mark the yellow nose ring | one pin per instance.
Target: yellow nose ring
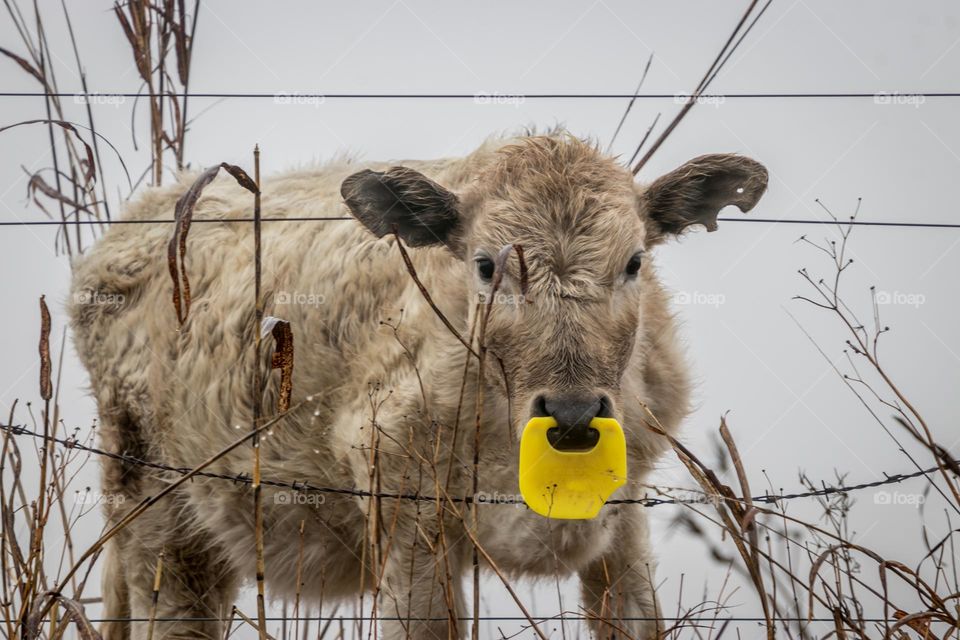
(571, 485)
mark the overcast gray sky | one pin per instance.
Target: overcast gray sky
(789, 410)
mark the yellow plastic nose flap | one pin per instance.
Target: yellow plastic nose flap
(571, 485)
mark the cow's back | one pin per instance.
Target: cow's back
(187, 389)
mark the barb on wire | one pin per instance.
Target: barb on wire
(306, 487)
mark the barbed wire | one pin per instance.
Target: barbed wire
(491, 95)
(699, 618)
(306, 487)
(855, 223)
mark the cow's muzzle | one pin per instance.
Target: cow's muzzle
(573, 413)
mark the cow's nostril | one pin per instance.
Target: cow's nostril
(606, 408)
(540, 407)
(573, 413)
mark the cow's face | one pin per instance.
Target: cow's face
(564, 328)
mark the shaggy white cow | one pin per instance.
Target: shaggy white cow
(385, 395)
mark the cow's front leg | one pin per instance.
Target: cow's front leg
(617, 588)
(420, 594)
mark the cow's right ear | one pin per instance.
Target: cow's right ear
(403, 200)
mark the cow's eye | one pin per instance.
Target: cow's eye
(485, 268)
(633, 267)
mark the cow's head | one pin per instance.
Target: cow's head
(585, 229)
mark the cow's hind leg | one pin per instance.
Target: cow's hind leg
(116, 597)
(197, 587)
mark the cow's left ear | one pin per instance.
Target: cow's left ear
(403, 200)
(696, 192)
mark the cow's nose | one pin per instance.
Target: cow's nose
(573, 413)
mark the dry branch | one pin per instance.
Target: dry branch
(183, 215)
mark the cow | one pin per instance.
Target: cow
(530, 291)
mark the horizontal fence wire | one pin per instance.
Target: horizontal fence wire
(842, 223)
(306, 487)
(493, 96)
